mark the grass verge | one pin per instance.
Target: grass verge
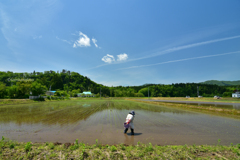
(26, 101)
(202, 99)
(18, 150)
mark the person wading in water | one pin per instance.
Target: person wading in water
(129, 122)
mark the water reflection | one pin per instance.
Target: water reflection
(87, 121)
(86, 105)
(128, 139)
(70, 112)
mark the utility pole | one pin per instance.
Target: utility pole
(148, 92)
(197, 91)
(50, 92)
(100, 92)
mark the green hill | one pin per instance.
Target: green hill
(21, 85)
(222, 83)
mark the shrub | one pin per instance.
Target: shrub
(53, 155)
(75, 146)
(149, 148)
(41, 99)
(57, 93)
(26, 96)
(76, 141)
(12, 145)
(123, 147)
(113, 148)
(51, 146)
(96, 142)
(28, 146)
(227, 94)
(238, 145)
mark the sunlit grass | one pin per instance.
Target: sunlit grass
(78, 150)
(202, 99)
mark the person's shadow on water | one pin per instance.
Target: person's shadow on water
(135, 134)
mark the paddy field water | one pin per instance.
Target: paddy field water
(88, 120)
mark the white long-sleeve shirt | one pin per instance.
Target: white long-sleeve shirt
(129, 120)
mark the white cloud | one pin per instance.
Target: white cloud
(172, 50)
(83, 41)
(63, 40)
(186, 47)
(95, 42)
(37, 37)
(179, 60)
(122, 57)
(108, 58)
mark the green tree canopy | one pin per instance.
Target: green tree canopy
(2, 89)
(38, 88)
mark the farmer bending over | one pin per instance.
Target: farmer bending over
(129, 120)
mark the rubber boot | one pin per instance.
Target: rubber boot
(125, 131)
(132, 131)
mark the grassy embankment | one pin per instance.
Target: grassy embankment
(26, 101)
(17, 150)
(228, 100)
(15, 101)
(211, 109)
(202, 99)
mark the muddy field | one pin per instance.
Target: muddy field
(88, 120)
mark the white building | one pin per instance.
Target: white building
(85, 94)
(237, 94)
(217, 97)
(50, 93)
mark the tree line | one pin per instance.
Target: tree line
(67, 83)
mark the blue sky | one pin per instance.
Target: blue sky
(123, 42)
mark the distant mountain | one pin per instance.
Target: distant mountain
(222, 83)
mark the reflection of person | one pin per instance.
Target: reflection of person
(129, 141)
(129, 120)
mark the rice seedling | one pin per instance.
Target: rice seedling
(107, 116)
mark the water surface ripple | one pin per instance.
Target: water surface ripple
(88, 120)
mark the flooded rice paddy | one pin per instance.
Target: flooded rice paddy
(88, 120)
(222, 106)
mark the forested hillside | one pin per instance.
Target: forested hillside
(21, 84)
(222, 83)
(67, 83)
